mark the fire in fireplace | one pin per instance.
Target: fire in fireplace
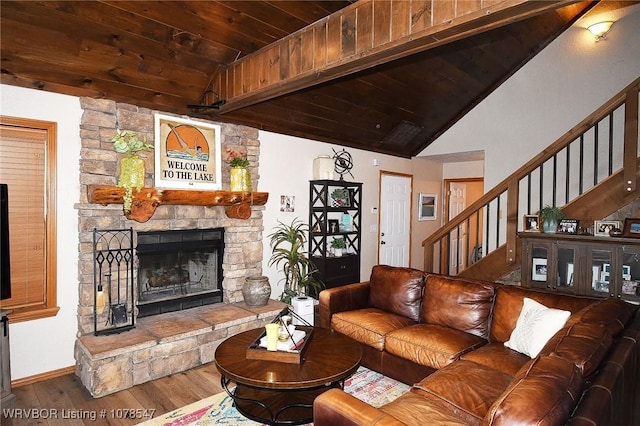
(179, 269)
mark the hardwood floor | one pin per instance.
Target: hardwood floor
(67, 399)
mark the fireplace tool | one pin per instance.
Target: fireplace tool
(118, 310)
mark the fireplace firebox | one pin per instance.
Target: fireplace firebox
(179, 269)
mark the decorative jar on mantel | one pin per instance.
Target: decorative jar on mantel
(240, 179)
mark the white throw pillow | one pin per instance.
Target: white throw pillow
(535, 326)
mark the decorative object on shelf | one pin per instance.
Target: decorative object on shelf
(427, 206)
(343, 163)
(539, 269)
(338, 245)
(256, 290)
(340, 197)
(631, 228)
(132, 166)
(287, 245)
(323, 166)
(615, 232)
(531, 223)
(334, 226)
(345, 222)
(240, 175)
(568, 226)
(601, 228)
(550, 217)
(188, 154)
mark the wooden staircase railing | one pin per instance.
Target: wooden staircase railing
(591, 171)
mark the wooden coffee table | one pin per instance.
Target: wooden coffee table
(279, 393)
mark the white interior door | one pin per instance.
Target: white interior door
(457, 250)
(395, 220)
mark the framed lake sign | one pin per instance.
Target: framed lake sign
(187, 154)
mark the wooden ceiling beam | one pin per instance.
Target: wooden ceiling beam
(363, 35)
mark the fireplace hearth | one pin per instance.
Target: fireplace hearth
(179, 269)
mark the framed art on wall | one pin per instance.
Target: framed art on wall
(187, 154)
(427, 206)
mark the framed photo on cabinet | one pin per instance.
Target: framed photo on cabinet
(601, 228)
(539, 269)
(631, 228)
(531, 223)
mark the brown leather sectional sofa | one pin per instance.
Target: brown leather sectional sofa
(446, 337)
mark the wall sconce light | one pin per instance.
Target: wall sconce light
(600, 29)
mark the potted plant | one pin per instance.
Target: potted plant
(550, 217)
(240, 178)
(131, 166)
(338, 244)
(287, 245)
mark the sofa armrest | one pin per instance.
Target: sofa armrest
(340, 299)
(337, 408)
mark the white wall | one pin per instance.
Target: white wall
(47, 344)
(286, 167)
(552, 93)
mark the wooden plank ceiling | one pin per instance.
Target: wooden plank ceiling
(394, 96)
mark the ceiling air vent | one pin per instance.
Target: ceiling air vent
(402, 134)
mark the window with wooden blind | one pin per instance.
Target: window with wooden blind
(27, 166)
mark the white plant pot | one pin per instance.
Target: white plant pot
(337, 252)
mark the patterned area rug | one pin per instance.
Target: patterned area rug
(366, 385)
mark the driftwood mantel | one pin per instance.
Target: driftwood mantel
(237, 204)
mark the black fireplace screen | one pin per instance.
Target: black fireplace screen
(179, 269)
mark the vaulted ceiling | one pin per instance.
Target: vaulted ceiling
(423, 66)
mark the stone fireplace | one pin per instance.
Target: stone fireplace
(169, 342)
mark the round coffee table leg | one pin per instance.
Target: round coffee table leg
(275, 407)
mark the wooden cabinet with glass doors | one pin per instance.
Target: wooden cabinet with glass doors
(583, 265)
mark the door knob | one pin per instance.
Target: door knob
(382, 243)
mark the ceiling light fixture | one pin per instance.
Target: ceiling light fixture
(600, 29)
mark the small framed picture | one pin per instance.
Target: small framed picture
(569, 274)
(341, 197)
(427, 205)
(539, 269)
(531, 223)
(601, 228)
(595, 276)
(568, 226)
(631, 228)
(626, 272)
(604, 275)
(334, 226)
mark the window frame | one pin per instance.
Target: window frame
(49, 308)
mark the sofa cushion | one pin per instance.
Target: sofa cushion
(585, 345)
(535, 326)
(464, 388)
(613, 314)
(544, 391)
(396, 290)
(508, 304)
(497, 356)
(368, 326)
(414, 410)
(457, 303)
(432, 345)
